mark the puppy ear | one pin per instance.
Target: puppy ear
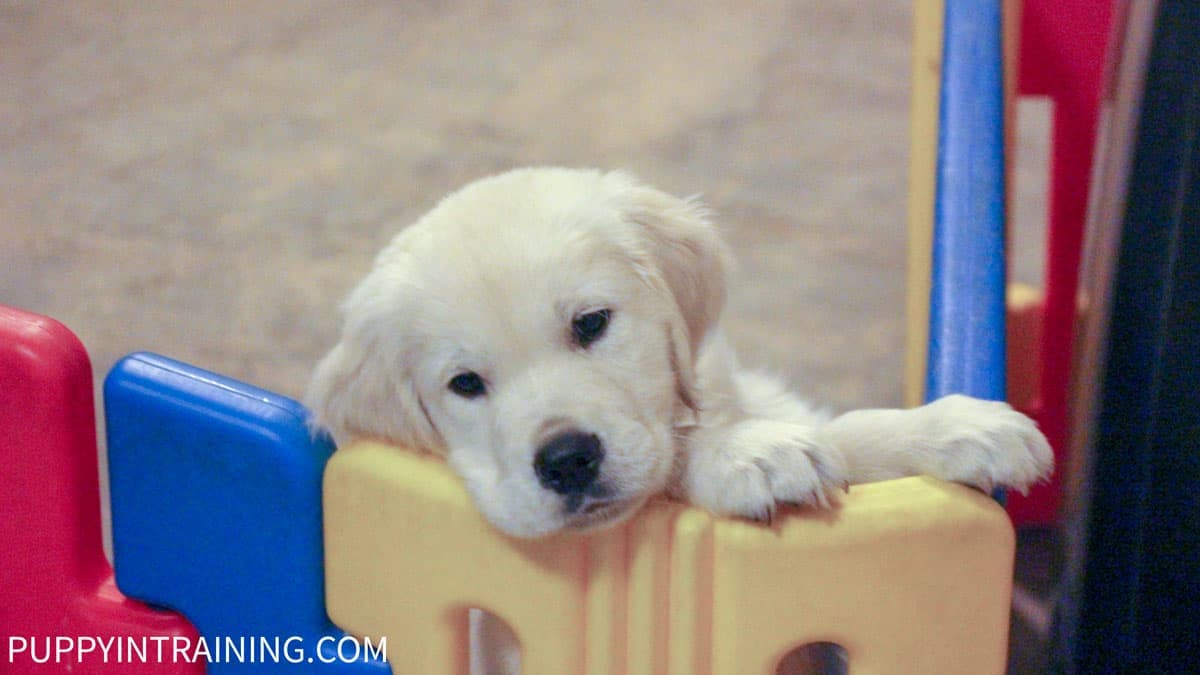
(364, 387)
(682, 255)
(687, 253)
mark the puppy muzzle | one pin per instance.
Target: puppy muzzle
(569, 464)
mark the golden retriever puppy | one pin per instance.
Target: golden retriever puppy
(554, 334)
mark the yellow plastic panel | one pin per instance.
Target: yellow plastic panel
(911, 576)
(406, 555)
(922, 186)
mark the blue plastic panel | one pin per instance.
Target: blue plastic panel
(216, 507)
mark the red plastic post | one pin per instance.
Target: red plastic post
(59, 607)
(1062, 56)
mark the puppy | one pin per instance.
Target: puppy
(554, 334)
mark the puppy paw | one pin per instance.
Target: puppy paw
(757, 464)
(982, 443)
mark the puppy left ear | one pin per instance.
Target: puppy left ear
(683, 255)
(686, 252)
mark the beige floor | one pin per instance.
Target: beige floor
(207, 180)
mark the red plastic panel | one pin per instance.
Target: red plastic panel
(58, 605)
(1062, 56)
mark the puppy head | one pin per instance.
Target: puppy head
(539, 328)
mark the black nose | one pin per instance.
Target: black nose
(569, 462)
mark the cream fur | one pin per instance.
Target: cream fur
(489, 281)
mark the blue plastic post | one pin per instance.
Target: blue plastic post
(967, 310)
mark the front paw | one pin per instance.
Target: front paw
(754, 465)
(983, 443)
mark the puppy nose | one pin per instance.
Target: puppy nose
(569, 462)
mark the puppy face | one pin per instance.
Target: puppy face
(539, 328)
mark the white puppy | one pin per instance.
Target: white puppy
(554, 334)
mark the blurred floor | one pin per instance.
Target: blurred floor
(207, 180)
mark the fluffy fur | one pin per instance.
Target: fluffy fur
(490, 282)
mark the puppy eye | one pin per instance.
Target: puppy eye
(587, 328)
(467, 385)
